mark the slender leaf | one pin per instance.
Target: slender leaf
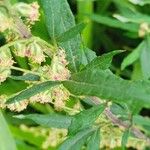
(6, 139)
(125, 139)
(71, 33)
(132, 57)
(94, 141)
(145, 58)
(104, 84)
(140, 120)
(49, 120)
(26, 77)
(35, 89)
(77, 140)
(85, 119)
(114, 23)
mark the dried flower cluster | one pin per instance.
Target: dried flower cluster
(57, 70)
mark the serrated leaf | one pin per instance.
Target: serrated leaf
(102, 62)
(105, 85)
(71, 33)
(26, 77)
(125, 139)
(59, 21)
(85, 119)
(94, 141)
(35, 89)
(6, 139)
(50, 120)
(76, 141)
(132, 57)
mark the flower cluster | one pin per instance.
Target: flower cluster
(29, 11)
(31, 50)
(5, 64)
(57, 70)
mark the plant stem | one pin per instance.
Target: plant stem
(85, 7)
(25, 70)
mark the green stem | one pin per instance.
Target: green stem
(26, 71)
(86, 7)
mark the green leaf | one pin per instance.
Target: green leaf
(35, 89)
(105, 85)
(86, 56)
(6, 139)
(125, 139)
(59, 21)
(102, 62)
(145, 58)
(75, 142)
(71, 33)
(49, 120)
(132, 57)
(140, 120)
(26, 77)
(114, 23)
(94, 141)
(85, 119)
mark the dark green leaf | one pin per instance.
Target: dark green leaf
(49, 120)
(76, 141)
(35, 89)
(102, 62)
(71, 33)
(59, 21)
(26, 77)
(6, 139)
(85, 118)
(94, 141)
(105, 85)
